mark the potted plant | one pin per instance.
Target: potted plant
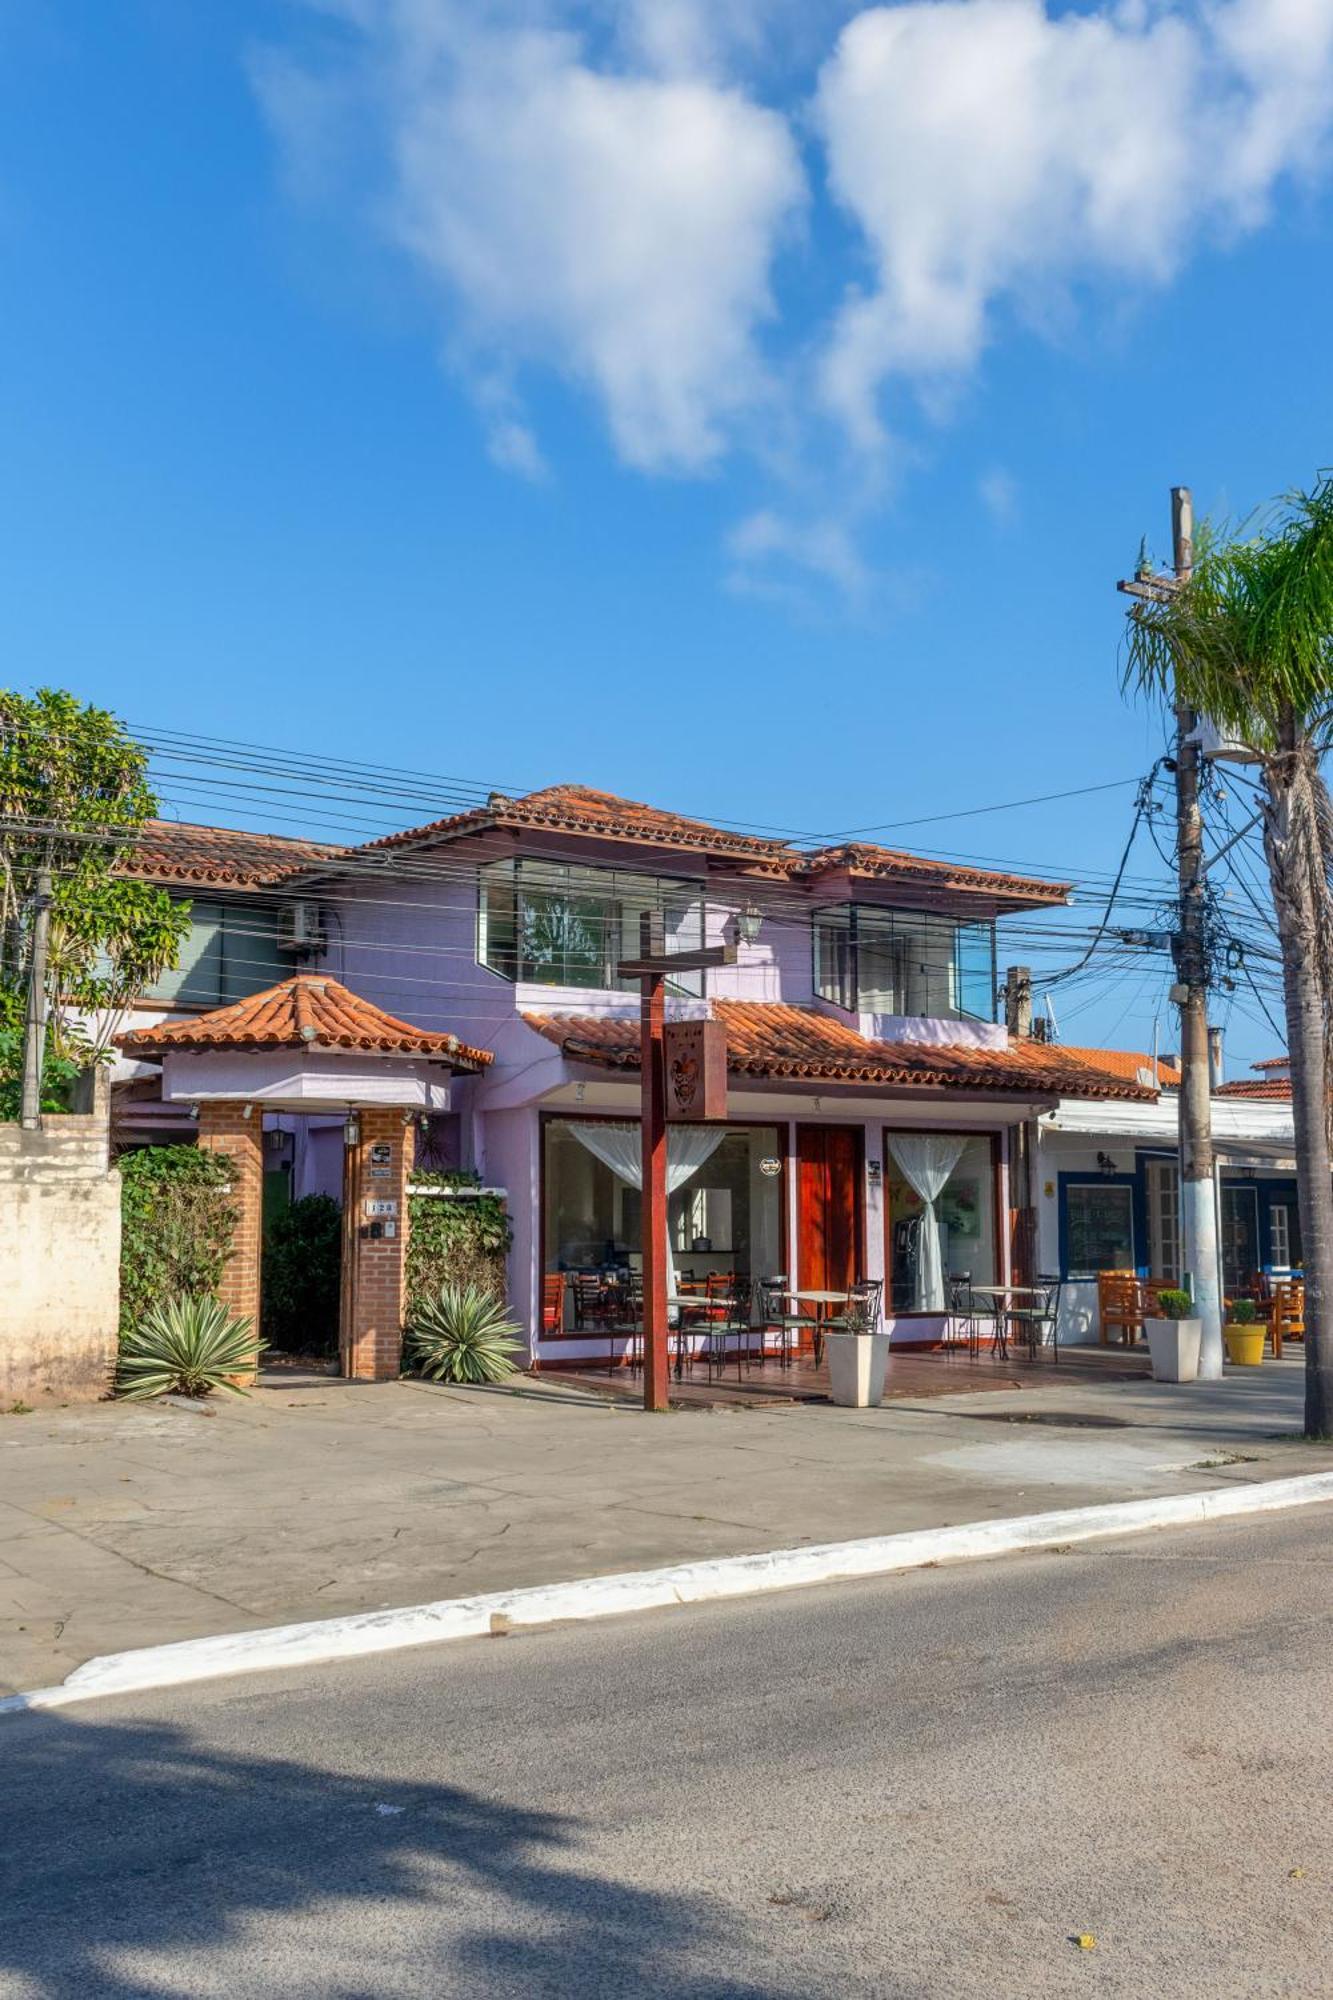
(1244, 1334)
(1174, 1338)
(857, 1358)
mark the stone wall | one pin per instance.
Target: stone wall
(60, 1287)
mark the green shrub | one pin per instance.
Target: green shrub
(177, 1222)
(462, 1335)
(1242, 1312)
(1173, 1304)
(185, 1346)
(460, 1242)
(302, 1276)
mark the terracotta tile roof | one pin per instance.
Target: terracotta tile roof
(580, 809)
(1127, 1063)
(890, 865)
(1272, 1062)
(1263, 1090)
(226, 857)
(219, 856)
(767, 1039)
(307, 1011)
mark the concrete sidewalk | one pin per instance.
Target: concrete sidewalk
(125, 1526)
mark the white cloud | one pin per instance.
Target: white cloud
(617, 226)
(823, 549)
(992, 152)
(998, 493)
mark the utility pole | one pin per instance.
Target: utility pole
(34, 1025)
(1198, 1186)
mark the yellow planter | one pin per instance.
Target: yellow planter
(1245, 1345)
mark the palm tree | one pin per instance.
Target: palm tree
(1247, 641)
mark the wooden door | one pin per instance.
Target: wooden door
(829, 1165)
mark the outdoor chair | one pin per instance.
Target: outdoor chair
(775, 1317)
(553, 1302)
(863, 1299)
(961, 1329)
(1119, 1306)
(1038, 1316)
(727, 1331)
(1286, 1314)
(586, 1288)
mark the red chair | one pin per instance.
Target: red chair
(553, 1302)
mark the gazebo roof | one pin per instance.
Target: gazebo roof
(308, 1011)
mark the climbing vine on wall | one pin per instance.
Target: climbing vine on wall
(177, 1220)
(462, 1242)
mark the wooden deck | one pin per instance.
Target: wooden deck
(912, 1374)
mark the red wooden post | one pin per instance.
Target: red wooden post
(654, 1136)
(652, 967)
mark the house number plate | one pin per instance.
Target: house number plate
(381, 1208)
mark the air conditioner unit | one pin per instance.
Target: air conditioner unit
(300, 928)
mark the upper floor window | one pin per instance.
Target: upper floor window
(552, 924)
(230, 951)
(873, 961)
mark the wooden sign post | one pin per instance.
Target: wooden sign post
(654, 965)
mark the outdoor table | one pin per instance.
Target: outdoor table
(1005, 1311)
(822, 1301)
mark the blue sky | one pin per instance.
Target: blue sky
(749, 418)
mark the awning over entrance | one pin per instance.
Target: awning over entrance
(306, 1044)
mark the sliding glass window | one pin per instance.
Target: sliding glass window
(905, 962)
(549, 924)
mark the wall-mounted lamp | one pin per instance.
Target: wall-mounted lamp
(352, 1132)
(1106, 1164)
(749, 923)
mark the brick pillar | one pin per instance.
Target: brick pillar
(224, 1128)
(374, 1341)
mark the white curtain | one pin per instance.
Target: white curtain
(619, 1147)
(927, 1160)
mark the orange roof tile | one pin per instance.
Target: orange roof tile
(1273, 1062)
(1127, 1063)
(226, 857)
(307, 1011)
(218, 856)
(581, 809)
(768, 1039)
(1262, 1090)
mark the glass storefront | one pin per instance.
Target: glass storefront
(724, 1205)
(941, 1206)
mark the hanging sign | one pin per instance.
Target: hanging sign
(696, 1071)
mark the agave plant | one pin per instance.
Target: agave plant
(186, 1346)
(462, 1334)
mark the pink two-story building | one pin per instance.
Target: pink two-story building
(879, 1120)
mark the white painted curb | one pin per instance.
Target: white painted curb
(366, 1632)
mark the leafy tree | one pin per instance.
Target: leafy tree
(1248, 642)
(74, 795)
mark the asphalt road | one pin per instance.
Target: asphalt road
(925, 1786)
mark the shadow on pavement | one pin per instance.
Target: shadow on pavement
(132, 1855)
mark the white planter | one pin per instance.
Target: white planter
(856, 1364)
(1174, 1347)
